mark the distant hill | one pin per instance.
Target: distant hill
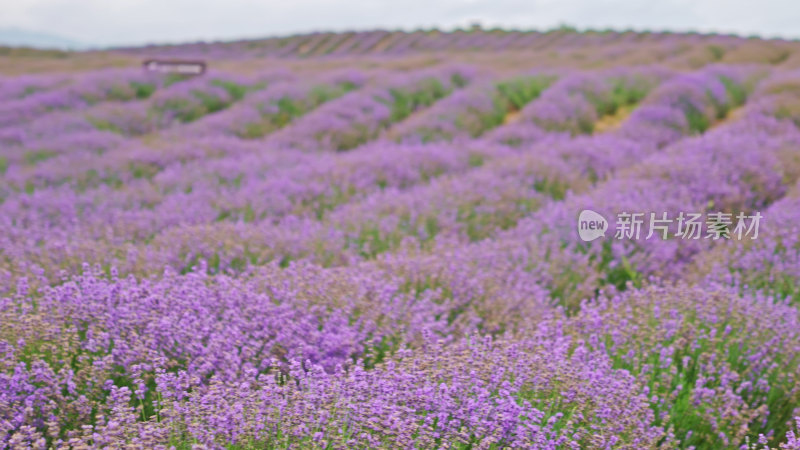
(560, 47)
(636, 45)
(17, 37)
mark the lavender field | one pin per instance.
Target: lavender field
(371, 240)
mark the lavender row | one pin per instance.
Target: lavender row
(361, 116)
(471, 217)
(101, 86)
(298, 185)
(673, 180)
(470, 112)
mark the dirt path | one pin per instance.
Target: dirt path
(612, 122)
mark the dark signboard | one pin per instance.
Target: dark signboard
(175, 66)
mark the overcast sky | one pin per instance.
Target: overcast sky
(122, 22)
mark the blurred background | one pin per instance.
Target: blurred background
(96, 24)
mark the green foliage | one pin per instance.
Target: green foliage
(140, 169)
(92, 178)
(677, 378)
(737, 94)
(697, 120)
(173, 78)
(405, 102)
(211, 103)
(717, 52)
(624, 94)
(620, 274)
(290, 108)
(35, 156)
(104, 125)
(235, 90)
(459, 80)
(520, 91)
(190, 109)
(143, 90)
(554, 188)
(476, 160)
